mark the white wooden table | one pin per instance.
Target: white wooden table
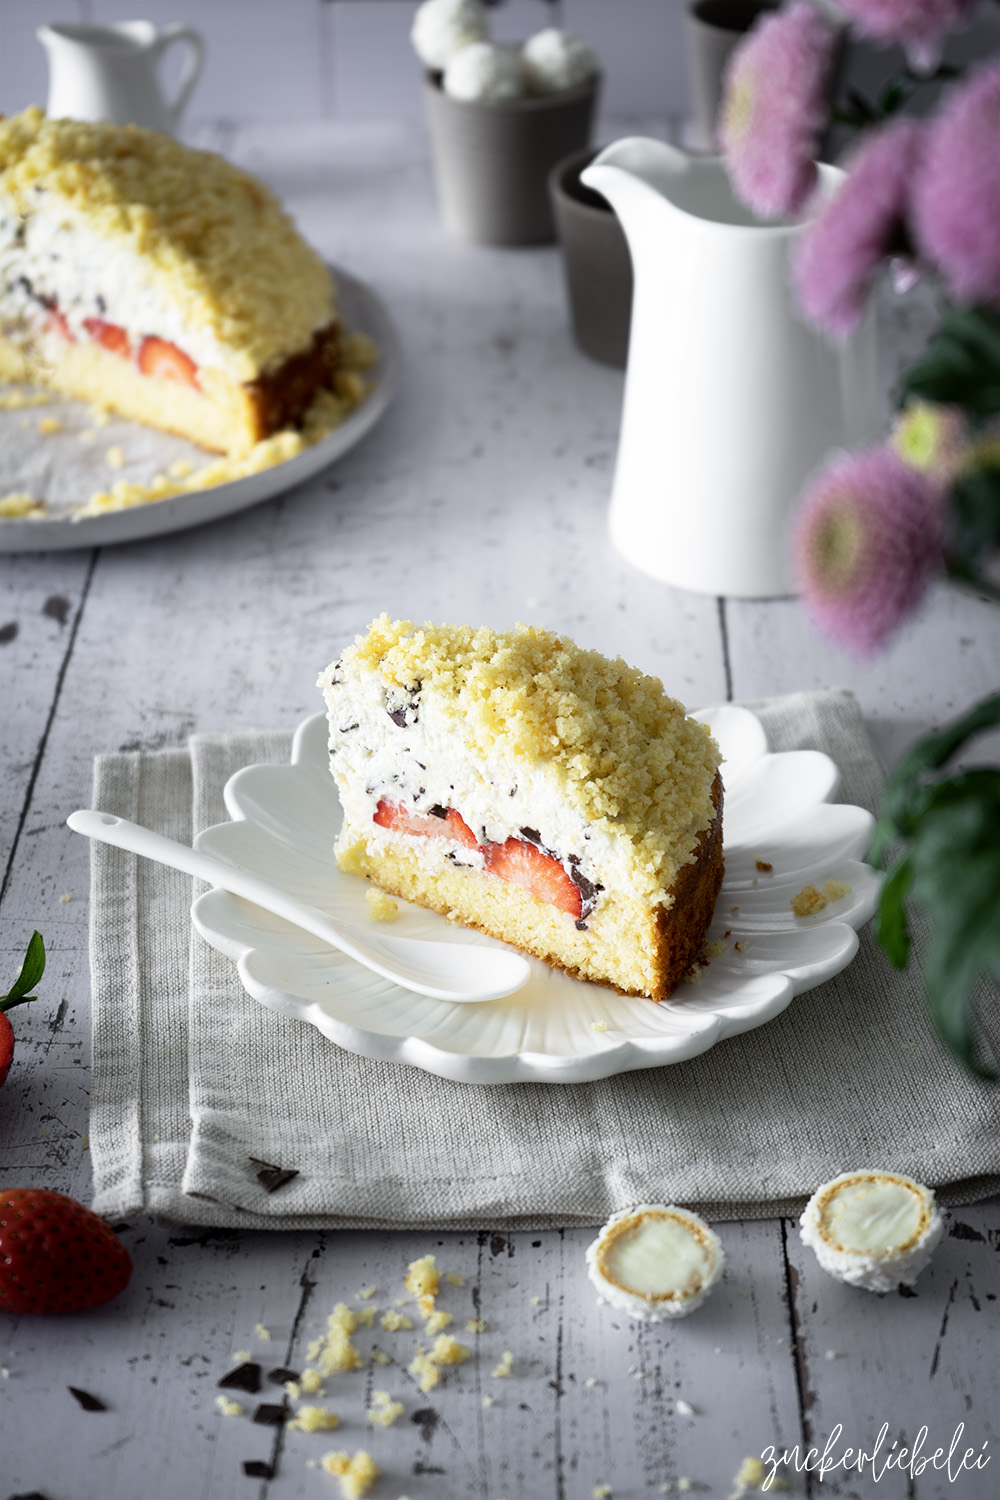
(481, 497)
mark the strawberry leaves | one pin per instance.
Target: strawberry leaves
(32, 970)
(949, 867)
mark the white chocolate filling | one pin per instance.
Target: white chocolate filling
(655, 1261)
(873, 1215)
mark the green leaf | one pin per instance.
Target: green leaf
(974, 517)
(891, 930)
(962, 363)
(956, 880)
(32, 970)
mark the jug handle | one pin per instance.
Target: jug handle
(175, 32)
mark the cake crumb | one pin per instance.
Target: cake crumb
(292, 1390)
(834, 889)
(535, 1301)
(48, 425)
(683, 1484)
(422, 1277)
(242, 1357)
(365, 1316)
(18, 503)
(505, 1366)
(314, 1419)
(693, 976)
(590, 1380)
(437, 1320)
(603, 1492)
(264, 1334)
(487, 1400)
(476, 1325)
(393, 1321)
(336, 1352)
(381, 908)
(366, 1292)
(356, 1475)
(384, 1410)
(763, 865)
(311, 1381)
(115, 457)
(753, 1476)
(66, 896)
(380, 1357)
(734, 911)
(454, 1279)
(741, 947)
(17, 400)
(228, 1408)
(809, 901)
(426, 1368)
(598, 1025)
(716, 949)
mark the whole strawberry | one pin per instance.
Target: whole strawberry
(55, 1255)
(31, 972)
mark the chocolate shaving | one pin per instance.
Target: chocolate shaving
(272, 1177)
(280, 1375)
(245, 1377)
(270, 1415)
(255, 1468)
(86, 1400)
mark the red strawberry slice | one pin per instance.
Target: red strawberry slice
(55, 1255)
(398, 817)
(535, 872)
(162, 360)
(32, 969)
(110, 336)
(56, 323)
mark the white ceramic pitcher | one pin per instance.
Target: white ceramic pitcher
(110, 72)
(730, 400)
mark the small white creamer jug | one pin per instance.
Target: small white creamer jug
(110, 72)
(731, 401)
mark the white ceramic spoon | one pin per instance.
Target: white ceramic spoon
(444, 971)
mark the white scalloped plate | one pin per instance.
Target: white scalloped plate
(285, 819)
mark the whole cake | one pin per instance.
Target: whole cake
(542, 793)
(159, 281)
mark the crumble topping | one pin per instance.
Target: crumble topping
(809, 900)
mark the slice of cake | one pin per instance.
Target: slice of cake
(546, 795)
(162, 282)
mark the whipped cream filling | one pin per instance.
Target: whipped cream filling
(875, 1216)
(51, 258)
(402, 746)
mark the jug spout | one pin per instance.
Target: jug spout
(635, 176)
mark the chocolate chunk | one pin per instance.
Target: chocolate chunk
(245, 1377)
(532, 835)
(588, 888)
(581, 927)
(272, 1177)
(34, 1495)
(280, 1375)
(437, 811)
(402, 705)
(86, 1400)
(270, 1415)
(348, 727)
(255, 1468)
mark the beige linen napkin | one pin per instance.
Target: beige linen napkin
(193, 1078)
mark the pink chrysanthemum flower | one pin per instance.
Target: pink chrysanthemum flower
(867, 542)
(842, 248)
(774, 109)
(921, 25)
(956, 197)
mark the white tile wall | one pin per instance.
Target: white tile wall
(297, 59)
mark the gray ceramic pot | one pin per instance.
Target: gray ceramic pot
(713, 29)
(596, 260)
(492, 160)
